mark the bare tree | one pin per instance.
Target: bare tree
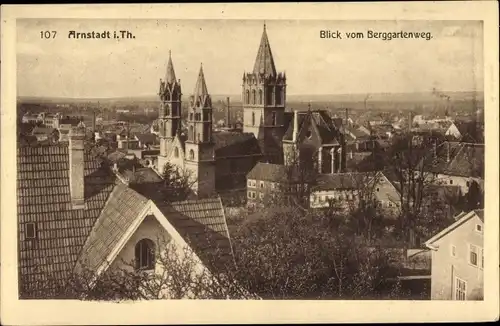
(177, 183)
(178, 273)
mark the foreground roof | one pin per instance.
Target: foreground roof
(44, 199)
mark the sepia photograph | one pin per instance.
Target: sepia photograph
(250, 159)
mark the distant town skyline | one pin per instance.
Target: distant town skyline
(94, 68)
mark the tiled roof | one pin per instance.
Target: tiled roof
(351, 180)
(465, 159)
(44, 198)
(122, 208)
(147, 138)
(203, 225)
(268, 172)
(231, 144)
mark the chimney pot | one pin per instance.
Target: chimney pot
(76, 167)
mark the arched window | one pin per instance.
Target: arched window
(247, 97)
(145, 254)
(253, 118)
(260, 96)
(176, 152)
(254, 97)
(191, 154)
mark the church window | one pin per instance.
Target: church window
(191, 133)
(247, 97)
(145, 254)
(253, 118)
(278, 96)
(190, 116)
(260, 96)
(275, 122)
(199, 137)
(191, 154)
(254, 97)
(176, 152)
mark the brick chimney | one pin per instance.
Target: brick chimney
(76, 167)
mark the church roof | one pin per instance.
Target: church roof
(170, 73)
(233, 144)
(200, 90)
(264, 63)
(319, 120)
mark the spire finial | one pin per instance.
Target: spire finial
(264, 25)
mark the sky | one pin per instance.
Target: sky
(92, 68)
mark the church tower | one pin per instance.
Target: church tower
(264, 100)
(199, 150)
(170, 112)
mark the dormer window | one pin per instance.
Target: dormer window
(479, 228)
(30, 230)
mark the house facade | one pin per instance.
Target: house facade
(458, 260)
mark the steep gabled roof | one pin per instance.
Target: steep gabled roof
(318, 120)
(264, 62)
(200, 90)
(121, 210)
(268, 172)
(43, 198)
(458, 159)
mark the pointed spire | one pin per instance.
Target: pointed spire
(200, 89)
(170, 75)
(264, 63)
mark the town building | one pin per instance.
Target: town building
(458, 260)
(346, 189)
(75, 213)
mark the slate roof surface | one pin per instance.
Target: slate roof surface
(44, 199)
(231, 144)
(465, 159)
(147, 138)
(268, 172)
(328, 131)
(340, 181)
(264, 63)
(121, 210)
(202, 224)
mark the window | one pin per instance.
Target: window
(473, 255)
(260, 96)
(275, 121)
(467, 183)
(378, 189)
(249, 194)
(249, 183)
(191, 133)
(30, 230)
(261, 195)
(247, 97)
(253, 118)
(176, 152)
(145, 254)
(460, 289)
(451, 182)
(190, 116)
(261, 184)
(453, 251)
(479, 228)
(254, 97)
(191, 154)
